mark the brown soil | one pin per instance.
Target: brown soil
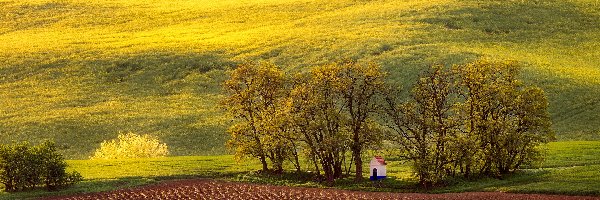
(212, 189)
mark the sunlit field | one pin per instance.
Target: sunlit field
(79, 72)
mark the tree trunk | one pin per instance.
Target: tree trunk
(317, 170)
(263, 161)
(278, 167)
(297, 163)
(356, 152)
(337, 170)
(327, 165)
(261, 156)
(350, 166)
(468, 168)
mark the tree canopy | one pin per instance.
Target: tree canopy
(472, 119)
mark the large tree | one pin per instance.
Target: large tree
(505, 119)
(425, 127)
(340, 100)
(476, 118)
(255, 95)
(361, 89)
(319, 119)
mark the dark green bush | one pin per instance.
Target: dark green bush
(24, 167)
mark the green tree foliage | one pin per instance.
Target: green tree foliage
(334, 108)
(476, 118)
(504, 119)
(256, 99)
(325, 113)
(361, 88)
(319, 120)
(425, 128)
(25, 167)
(131, 145)
(279, 139)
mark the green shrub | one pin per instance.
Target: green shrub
(131, 145)
(24, 167)
(53, 165)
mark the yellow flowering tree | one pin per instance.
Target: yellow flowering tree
(131, 145)
(256, 97)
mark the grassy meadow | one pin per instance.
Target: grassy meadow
(79, 72)
(560, 173)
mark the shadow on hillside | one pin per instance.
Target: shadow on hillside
(517, 21)
(573, 106)
(158, 93)
(37, 15)
(535, 24)
(79, 138)
(161, 71)
(27, 15)
(405, 66)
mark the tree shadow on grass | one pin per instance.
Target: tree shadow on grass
(516, 21)
(395, 184)
(521, 177)
(290, 178)
(287, 178)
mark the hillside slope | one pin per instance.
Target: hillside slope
(80, 72)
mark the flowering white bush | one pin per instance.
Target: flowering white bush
(131, 145)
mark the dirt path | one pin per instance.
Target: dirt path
(212, 189)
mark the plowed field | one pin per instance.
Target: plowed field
(212, 189)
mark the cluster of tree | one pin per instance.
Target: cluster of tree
(25, 167)
(324, 114)
(473, 119)
(470, 119)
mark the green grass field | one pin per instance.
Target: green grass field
(561, 173)
(79, 72)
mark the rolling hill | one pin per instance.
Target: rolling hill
(79, 72)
